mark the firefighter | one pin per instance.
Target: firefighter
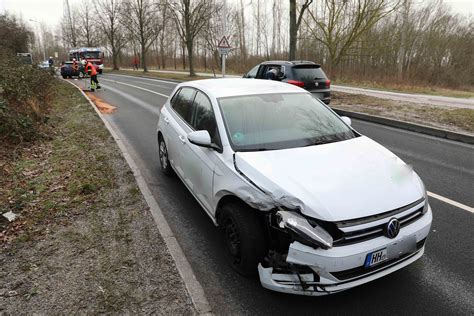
(91, 71)
(75, 65)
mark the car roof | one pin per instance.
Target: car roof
(227, 87)
(289, 63)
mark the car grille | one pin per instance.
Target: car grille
(362, 271)
(347, 238)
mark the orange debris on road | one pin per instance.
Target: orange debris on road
(103, 106)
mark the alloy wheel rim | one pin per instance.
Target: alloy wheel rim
(163, 155)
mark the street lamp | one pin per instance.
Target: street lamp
(42, 39)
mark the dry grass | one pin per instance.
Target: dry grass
(458, 120)
(467, 92)
(84, 242)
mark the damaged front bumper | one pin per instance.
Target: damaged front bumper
(341, 268)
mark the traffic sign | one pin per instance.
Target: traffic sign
(223, 43)
(223, 50)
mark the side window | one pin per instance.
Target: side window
(252, 73)
(204, 118)
(182, 103)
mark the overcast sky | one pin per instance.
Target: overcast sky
(50, 11)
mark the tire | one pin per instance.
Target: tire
(244, 238)
(100, 71)
(64, 76)
(81, 75)
(164, 160)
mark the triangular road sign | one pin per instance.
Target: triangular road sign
(223, 43)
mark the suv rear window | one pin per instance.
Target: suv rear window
(308, 72)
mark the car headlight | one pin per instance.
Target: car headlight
(425, 195)
(312, 235)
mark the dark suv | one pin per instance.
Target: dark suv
(305, 74)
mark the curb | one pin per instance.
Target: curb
(423, 129)
(194, 288)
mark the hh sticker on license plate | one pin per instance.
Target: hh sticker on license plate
(376, 257)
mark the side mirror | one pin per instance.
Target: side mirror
(346, 120)
(200, 138)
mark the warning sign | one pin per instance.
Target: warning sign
(223, 43)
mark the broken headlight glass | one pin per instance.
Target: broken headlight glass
(314, 236)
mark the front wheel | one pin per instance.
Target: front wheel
(164, 160)
(244, 238)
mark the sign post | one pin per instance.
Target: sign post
(224, 49)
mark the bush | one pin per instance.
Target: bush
(25, 99)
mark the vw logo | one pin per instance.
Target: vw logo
(393, 228)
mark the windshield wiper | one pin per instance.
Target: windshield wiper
(323, 141)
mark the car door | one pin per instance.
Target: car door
(252, 73)
(199, 162)
(181, 111)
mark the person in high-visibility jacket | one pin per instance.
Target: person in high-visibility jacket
(75, 66)
(91, 71)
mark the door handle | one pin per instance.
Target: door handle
(167, 120)
(182, 139)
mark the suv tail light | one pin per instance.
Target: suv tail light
(328, 83)
(296, 83)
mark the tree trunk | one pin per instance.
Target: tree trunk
(145, 68)
(114, 58)
(183, 50)
(189, 45)
(293, 31)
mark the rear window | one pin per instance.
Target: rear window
(308, 73)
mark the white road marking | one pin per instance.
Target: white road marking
(137, 87)
(449, 201)
(433, 195)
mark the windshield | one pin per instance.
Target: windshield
(278, 121)
(90, 55)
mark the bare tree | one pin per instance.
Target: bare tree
(190, 17)
(295, 24)
(111, 25)
(68, 24)
(86, 24)
(338, 24)
(140, 17)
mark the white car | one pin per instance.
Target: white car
(302, 198)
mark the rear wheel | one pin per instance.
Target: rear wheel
(64, 76)
(164, 161)
(243, 236)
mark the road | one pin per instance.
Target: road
(422, 99)
(440, 283)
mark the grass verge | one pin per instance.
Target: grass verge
(457, 120)
(468, 92)
(84, 241)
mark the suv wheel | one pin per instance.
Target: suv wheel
(164, 161)
(243, 236)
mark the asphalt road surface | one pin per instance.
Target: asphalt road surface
(441, 283)
(424, 99)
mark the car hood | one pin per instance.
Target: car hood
(336, 181)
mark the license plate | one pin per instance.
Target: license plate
(375, 257)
